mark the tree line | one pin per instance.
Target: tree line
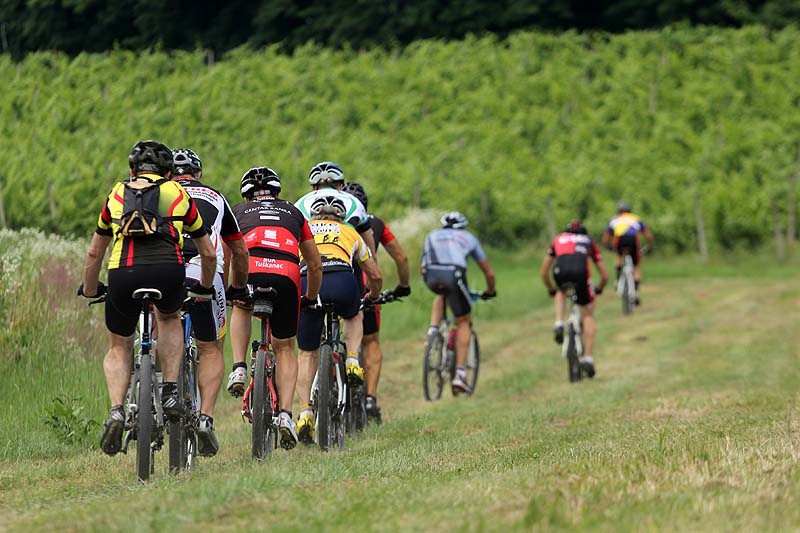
(75, 26)
(698, 128)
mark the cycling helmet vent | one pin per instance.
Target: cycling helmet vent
(455, 220)
(576, 226)
(325, 172)
(328, 205)
(259, 179)
(150, 156)
(185, 161)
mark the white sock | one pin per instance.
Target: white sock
(587, 359)
(559, 323)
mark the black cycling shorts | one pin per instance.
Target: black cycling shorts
(628, 244)
(286, 304)
(372, 319)
(450, 281)
(122, 311)
(339, 288)
(572, 270)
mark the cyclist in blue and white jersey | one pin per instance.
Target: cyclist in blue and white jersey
(444, 268)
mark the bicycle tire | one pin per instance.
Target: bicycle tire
(431, 367)
(177, 428)
(473, 362)
(573, 365)
(338, 417)
(144, 430)
(261, 409)
(325, 428)
(356, 412)
(190, 438)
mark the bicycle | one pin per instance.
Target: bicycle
(439, 363)
(260, 403)
(572, 345)
(329, 390)
(626, 286)
(182, 430)
(356, 418)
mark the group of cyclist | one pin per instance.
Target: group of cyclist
(183, 238)
(568, 259)
(170, 231)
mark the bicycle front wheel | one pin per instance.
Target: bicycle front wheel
(473, 362)
(327, 400)
(572, 356)
(261, 403)
(144, 430)
(432, 381)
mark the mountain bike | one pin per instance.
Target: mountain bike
(182, 430)
(572, 345)
(329, 391)
(356, 413)
(439, 363)
(626, 286)
(260, 404)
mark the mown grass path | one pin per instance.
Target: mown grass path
(691, 423)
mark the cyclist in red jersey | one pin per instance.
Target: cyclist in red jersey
(373, 356)
(275, 232)
(569, 256)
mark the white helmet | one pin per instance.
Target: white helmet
(454, 219)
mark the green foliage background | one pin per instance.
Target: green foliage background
(496, 128)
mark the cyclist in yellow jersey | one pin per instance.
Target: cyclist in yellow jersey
(138, 260)
(622, 235)
(339, 246)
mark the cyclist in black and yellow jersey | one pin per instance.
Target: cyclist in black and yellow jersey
(339, 246)
(146, 253)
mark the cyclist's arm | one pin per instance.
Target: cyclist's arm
(239, 262)
(650, 239)
(313, 261)
(606, 237)
(94, 262)
(396, 252)
(547, 264)
(208, 260)
(488, 273)
(374, 279)
(369, 239)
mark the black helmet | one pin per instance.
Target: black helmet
(325, 172)
(576, 226)
(623, 207)
(185, 161)
(260, 179)
(358, 191)
(328, 204)
(454, 219)
(150, 156)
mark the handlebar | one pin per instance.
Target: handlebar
(474, 296)
(385, 297)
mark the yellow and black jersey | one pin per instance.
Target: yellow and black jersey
(339, 245)
(174, 204)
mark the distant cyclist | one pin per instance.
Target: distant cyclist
(569, 256)
(373, 356)
(339, 246)
(275, 233)
(444, 268)
(622, 235)
(208, 317)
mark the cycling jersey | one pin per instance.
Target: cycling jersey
(625, 224)
(450, 247)
(273, 230)
(218, 218)
(380, 231)
(173, 202)
(355, 214)
(372, 314)
(573, 252)
(339, 245)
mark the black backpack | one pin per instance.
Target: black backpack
(140, 216)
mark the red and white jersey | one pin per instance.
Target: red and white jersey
(574, 244)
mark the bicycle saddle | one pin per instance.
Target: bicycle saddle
(155, 294)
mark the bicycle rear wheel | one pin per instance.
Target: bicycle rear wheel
(177, 427)
(261, 402)
(356, 412)
(473, 362)
(432, 382)
(144, 430)
(573, 363)
(327, 400)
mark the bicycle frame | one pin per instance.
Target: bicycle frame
(626, 287)
(330, 337)
(572, 345)
(265, 343)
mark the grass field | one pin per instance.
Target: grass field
(691, 423)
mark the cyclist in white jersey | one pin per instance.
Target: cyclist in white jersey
(444, 268)
(208, 318)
